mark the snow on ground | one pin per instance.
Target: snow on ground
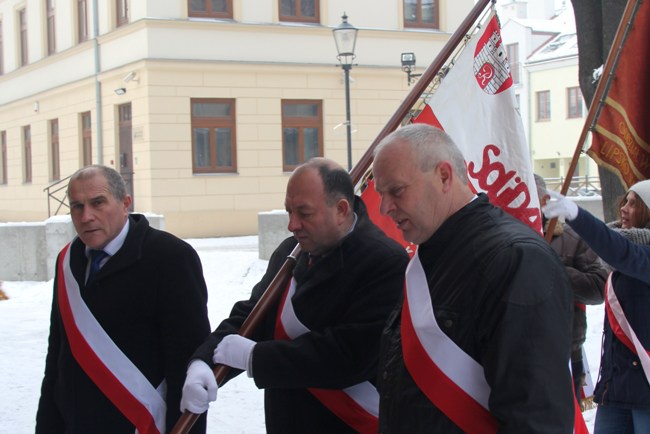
(231, 267)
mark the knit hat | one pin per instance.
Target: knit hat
(642, 189)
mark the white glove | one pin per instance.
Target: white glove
(235, 351)
(560, 206)
(200, 388)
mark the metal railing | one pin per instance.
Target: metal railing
(54, 194)
(580, 185)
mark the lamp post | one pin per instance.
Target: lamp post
(345, 37)
(408, 66)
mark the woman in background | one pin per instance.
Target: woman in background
(623, 388)
(634, 216)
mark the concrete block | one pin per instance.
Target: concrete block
(272, 230)
(155, 220)
(59, 231)
(23, 256)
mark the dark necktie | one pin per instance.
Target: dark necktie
(96, 257)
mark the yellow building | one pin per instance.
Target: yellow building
(558, 111)
(204, 106)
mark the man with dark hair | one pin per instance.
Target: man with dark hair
(316, 352)
(587, 275)
(129, 307)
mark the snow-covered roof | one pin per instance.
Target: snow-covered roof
(535, 25)
(563, 22)
(561, 46)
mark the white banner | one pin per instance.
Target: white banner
(475, 104)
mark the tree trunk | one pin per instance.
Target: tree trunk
(596, 25)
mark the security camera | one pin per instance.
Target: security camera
(130, 76)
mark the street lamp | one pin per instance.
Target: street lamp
(408, 66)
(345, 36)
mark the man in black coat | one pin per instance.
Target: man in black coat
(481, 341)
(316, 353)
(123, 325)
(587, 275)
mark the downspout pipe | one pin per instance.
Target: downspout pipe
(98, 85)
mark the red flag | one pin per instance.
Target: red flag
(475, 104)
(372, 200)
(622, 134)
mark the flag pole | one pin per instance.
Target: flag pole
(276, 287)
(597, 102)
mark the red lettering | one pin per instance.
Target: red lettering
(493, 178)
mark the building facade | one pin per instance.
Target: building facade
(558, 113)
(205, 107)
(522, 37)
(543, 54)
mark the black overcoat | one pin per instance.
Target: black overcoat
(151, 299)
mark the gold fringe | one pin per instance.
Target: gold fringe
(3, 296)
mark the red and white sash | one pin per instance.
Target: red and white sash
(622, 329)
(452, 380)
(113, 373)
(358, 405)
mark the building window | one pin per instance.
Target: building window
(55, 174)
(2, 54)
(543, 105)
(513, 60)
(303, 11)
(82, 20)
(213, 136)
(210, 8)
(22, 26)
(302, 132)
(122, 12)
(86, 139)
(3, 156)
(421, 14)
(27, 153)
(51, 34)
(574, 102)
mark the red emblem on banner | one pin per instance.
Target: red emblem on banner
(491, 68)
